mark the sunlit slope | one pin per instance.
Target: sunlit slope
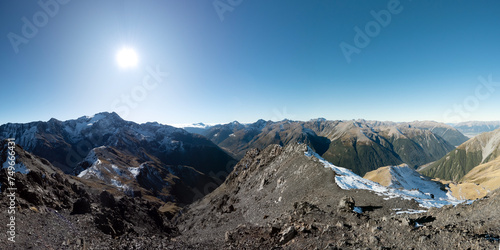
(455, 165)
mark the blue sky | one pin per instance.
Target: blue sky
(262, 59)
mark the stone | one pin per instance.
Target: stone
(287, 235)
(346, 203)
(81, 206)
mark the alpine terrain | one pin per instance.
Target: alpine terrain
(153, 186)
(474, 128)
(358, 145)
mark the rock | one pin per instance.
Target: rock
(287, 235)
(346, 203)
(406, 222)
(273, 230)
(107, 199)
(304, 208)
(228, 209)
(374, 239)
(228, 237)
(375, 229)
(81, 206)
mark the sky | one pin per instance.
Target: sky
(226, 60)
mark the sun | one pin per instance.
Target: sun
(127, 58)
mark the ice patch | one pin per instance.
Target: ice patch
(411, 211)
(358, 210)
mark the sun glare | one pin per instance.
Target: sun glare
(126, 58)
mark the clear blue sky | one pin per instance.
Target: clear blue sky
(264, 59)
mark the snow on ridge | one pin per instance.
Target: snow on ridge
(92, 171)
(194, 125)
(346, 179)
(134, 171)
(406, 178)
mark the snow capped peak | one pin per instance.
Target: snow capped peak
(200, 125)
(99, 116)
(320, 119)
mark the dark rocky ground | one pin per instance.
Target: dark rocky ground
(276, 198)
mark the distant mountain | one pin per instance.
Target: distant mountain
(474, 128)
(197, 128)
(481, 149)
(158, 159)
(66, 143)
(359, 145)
(447, 132)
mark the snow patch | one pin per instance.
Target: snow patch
(135, 171)
(117, 170)
(92, 171)
(411, 211)
(346, 179)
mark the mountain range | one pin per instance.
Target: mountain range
(475, 161)
(358, 145)
(137, 158)
(102, 182)
(473, 128)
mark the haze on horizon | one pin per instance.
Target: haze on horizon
(221, 61)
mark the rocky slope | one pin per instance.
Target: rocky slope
(179, 185)
(53, 210)
(360, 145)
(285, 198)
(455, 165)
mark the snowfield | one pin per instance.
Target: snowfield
(409, 186)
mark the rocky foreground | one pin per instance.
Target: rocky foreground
(277, 198)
